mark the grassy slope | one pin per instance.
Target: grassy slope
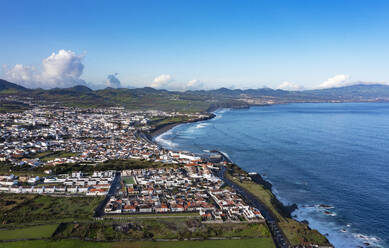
(297, 233)
(245, 243)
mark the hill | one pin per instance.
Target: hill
(11, 87)
(192, 101)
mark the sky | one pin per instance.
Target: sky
(194, 44)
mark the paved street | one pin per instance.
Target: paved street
(115, 186)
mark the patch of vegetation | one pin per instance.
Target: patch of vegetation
(9, 107)
(51, 155)
(10, 201)
(128, 180)
(37, 209)
(126, 164)
(24, 170)
(33, 232)
(170, 120)
(297, 233)
(243, 243)
(172, 228)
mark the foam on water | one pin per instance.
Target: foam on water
(219, 113)
(163, 140)
(201, 125)
(342, 236)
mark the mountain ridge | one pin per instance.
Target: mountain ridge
(193, 100)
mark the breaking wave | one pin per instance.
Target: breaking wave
(164, 139)
(340, 235)
(201, 125)
(219, 113)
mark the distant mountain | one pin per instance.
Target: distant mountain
(5, 85)
(347, 93)
(358, 91)
(194, 100)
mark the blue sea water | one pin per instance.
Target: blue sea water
(325, 153)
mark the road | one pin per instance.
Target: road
(115, 186)
(278, 237)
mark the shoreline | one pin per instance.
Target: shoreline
(284, 210)
(166, 127)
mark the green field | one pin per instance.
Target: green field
(128, 180)
(33, 232)
(51, 155)
(172, 228)
(18, 209)
(9, 107)
(244, 243)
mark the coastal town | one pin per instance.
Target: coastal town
(109, 156)
(43, 136)
(47, 138)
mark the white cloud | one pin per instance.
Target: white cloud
(19, 73)
(194, 85)
(162, 81)
(166, 81)
(62, 69)
(289, 86)
(113, 81)
(336, 81)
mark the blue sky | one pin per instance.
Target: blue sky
(199, 44)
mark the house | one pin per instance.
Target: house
(33, 180)
(82, 189)
(49, 189)
(177, 208)
(129, 209)
(72, 189)
(162, 208)
(95, 191)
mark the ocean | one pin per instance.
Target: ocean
(335, 154)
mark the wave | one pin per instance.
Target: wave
(370, 241)
(163, 139)
(340, 235)
(201, 125)
(219, 113)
